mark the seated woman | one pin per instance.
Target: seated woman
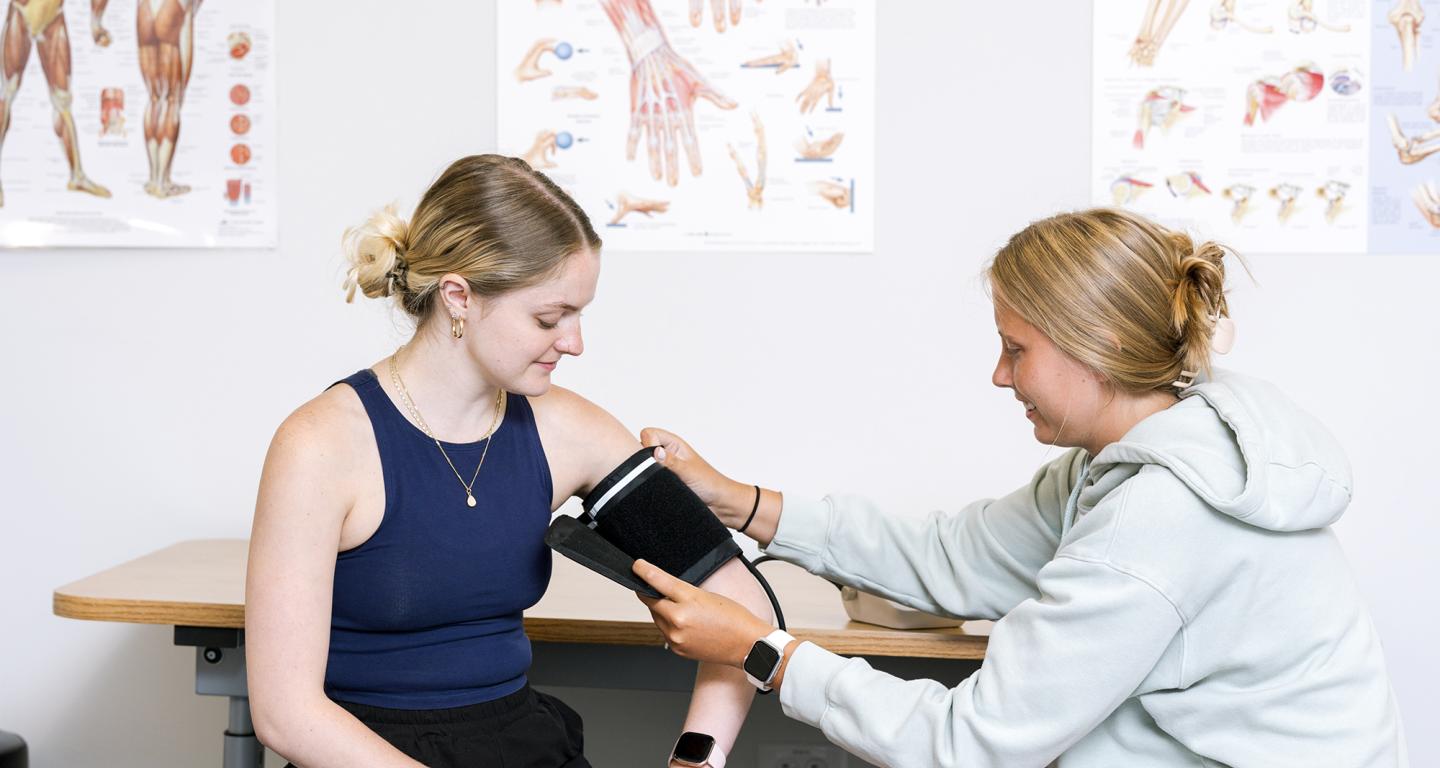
(1168, 593)
(398, 534)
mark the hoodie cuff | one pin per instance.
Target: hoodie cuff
(802, 533)
(807, 679)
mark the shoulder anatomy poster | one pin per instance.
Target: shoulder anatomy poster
(701, 124)
(1297, 126)
(137, 123)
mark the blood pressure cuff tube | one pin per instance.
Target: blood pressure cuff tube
(643, 510)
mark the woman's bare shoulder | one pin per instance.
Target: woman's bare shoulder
(328, 429)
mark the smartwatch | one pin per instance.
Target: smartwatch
(763, 661)
(698, 749)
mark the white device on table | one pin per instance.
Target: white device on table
(872, 609)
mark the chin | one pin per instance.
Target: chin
(530, 386)
(1043, 434)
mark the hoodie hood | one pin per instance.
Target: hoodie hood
(1245, 449)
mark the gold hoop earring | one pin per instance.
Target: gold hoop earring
(457, 326)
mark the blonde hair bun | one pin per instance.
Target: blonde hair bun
(375, 251)
(1199, 300)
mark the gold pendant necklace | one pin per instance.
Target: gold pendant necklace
(420, 421)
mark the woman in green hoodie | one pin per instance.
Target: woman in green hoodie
(1167, 593)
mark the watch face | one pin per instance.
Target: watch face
(762, 660)
(694, 747)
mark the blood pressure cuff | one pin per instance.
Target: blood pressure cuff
(643, 510)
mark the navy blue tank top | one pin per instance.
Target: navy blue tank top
(427, 612)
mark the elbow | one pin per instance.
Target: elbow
(277, 715)
(270, 723)
(269, 728)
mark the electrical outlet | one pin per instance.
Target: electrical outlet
(801, 756)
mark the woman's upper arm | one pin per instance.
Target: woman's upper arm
(305, 494)
(583, 442)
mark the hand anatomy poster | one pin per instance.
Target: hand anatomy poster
(702, 125)
(1296, 126)
(137, 123)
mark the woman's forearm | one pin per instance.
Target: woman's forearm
(319, 733)
(722, 693)
(735, 508)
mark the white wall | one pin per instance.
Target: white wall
(138, 389)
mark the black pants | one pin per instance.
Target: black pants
(527, 729)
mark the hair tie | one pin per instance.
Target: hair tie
(1186, 380)
(399, 275)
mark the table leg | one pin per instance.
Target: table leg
(220, 671)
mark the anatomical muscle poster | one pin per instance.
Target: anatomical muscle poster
(732, 125)
(1295, 126)
(130, 123)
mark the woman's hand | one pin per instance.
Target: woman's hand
(729, 500)
(700, 625)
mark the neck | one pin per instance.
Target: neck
(445, 385)
(1123, 413)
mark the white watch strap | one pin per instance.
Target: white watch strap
(779, 639)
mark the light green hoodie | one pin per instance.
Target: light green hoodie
(1178, 600)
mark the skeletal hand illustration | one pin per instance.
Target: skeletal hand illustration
(1406, 17)
(835, 193)
(540, 152)
(1154, 28)
(1427, 199)
(822, 85)
(626, 205)
(1223, 14)
(1413, 149)
(530, 68)
(1303, 19)
(754, 190)
(788, 58)
(717, 9)
(663, 91)
(817, 150)
(573, 92)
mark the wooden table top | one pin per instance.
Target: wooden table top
(201, 583)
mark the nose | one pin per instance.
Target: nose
(1001, 376)
(571, 343)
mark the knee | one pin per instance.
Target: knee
(61, 100)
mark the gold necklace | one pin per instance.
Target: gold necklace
(420, 420)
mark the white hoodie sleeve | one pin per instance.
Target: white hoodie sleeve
(977, 563)
(1056, 666)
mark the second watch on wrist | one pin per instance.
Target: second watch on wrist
(697, 749)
